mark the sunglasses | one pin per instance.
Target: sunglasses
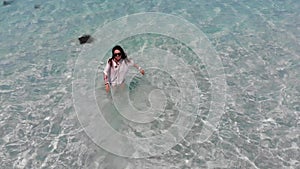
(117, 54)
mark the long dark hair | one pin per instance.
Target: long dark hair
(123, 54)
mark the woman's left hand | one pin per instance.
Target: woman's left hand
(142, 71)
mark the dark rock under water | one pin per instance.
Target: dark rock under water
(85, 39)
(7, 2)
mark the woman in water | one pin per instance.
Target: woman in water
(117, 67)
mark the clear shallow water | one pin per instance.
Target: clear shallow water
(257, 41)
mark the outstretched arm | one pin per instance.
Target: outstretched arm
(105, 77)
(142, 71)
(106, 82)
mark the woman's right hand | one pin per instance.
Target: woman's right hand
(107, 87)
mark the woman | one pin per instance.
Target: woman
(117, 67)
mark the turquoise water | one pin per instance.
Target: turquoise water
(257, 42)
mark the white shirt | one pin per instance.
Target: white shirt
(116, 74)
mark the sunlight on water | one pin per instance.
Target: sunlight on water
(256, 41)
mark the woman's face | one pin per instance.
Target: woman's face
(117, 55)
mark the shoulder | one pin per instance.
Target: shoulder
(129, 60)
(109, 62)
